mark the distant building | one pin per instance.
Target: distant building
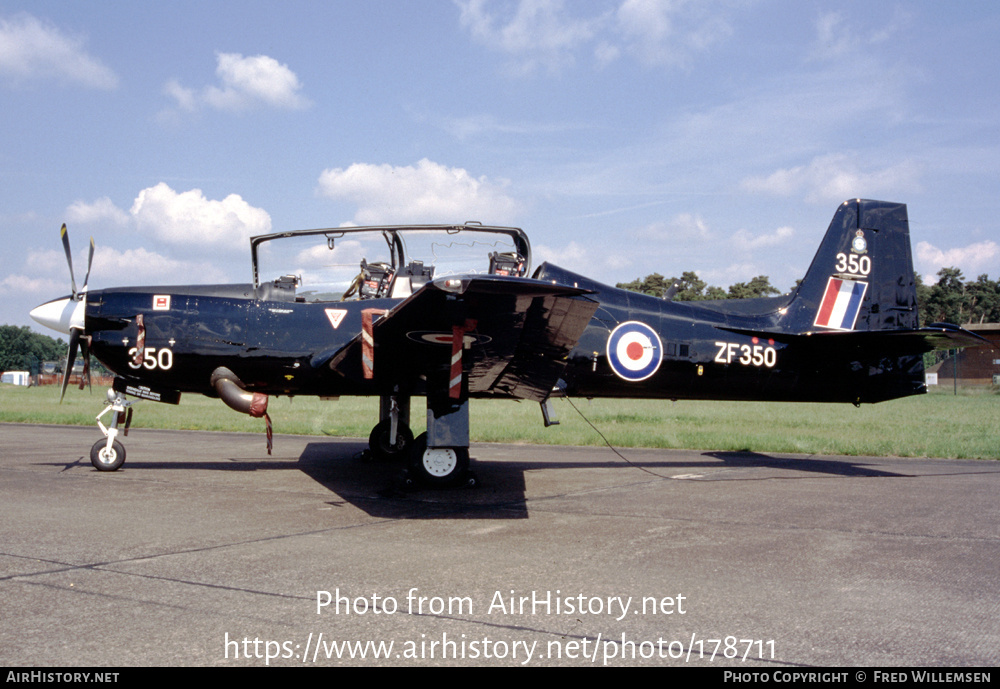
(16, 378)
(973, 365)
(51, 373)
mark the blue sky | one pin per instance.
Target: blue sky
(625, 136)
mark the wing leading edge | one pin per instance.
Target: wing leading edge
(516, 335)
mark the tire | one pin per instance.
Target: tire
(104, 460)
(438, 466)
(382, 449)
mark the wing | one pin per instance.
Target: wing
(517, 334)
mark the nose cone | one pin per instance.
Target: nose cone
(60, 314)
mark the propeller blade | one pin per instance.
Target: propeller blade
(74, 341)
(69, 256)
(90, 262)
(85, 353)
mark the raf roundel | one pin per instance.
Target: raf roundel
(634, 351)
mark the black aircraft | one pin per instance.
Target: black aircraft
(449, 312)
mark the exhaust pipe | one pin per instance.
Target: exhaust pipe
(231, 391)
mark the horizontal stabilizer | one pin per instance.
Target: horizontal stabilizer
(914, 341)
(948, 336)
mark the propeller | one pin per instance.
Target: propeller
(77, 333)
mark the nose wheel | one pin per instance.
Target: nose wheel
(107, 459)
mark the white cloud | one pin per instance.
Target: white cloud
(150, 267)
(258, 78)
(540, 34)
(744, 241)
(606, 53)
(427, 192)
(196, 227)
(588, 260)
(833, 39)
(186, 217)
(464, 128)
(187, 99)
(22, 284)
(190, 218)
(244, 82)
(972, 259)
(31, 49)
(835, 177)
(45, 261)
(837, 38)
(669, 32)
(573, 254)
(544, 34)
(683, 226)
(110, 267)
(103, 209)
(742, 271)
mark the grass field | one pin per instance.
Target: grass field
(939, 424)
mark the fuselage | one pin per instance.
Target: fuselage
(700, 350)
(727, 350)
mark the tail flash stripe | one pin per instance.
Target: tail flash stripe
(854, 307)
(829, 299)
(841, 304)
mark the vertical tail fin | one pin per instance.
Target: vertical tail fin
(861, 278)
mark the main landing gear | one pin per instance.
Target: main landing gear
(437, 458)
(440, 466)
(109, 454)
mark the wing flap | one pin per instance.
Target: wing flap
(553, 325)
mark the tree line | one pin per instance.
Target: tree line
(956, 300)
(21, 349)
(689, 287)
(952, 299)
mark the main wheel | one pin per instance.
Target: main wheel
(380, 445)
(438, 466)
(107, 460)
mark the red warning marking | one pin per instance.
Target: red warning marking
(368, 342)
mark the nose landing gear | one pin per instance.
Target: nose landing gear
(109, 454)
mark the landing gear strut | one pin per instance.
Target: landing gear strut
(109, 454)
(392, 438)
(381, 442)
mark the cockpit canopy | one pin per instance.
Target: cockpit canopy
(345, 263)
